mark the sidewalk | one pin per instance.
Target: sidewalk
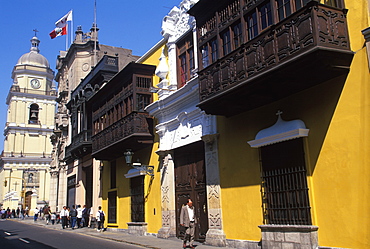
(143, 241)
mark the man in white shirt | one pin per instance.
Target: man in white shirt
(64, 214)
(79, 216)
(36, 214)
(188, 220)
(100, 217)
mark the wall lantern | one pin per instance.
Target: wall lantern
(137, 168)
(128, 156)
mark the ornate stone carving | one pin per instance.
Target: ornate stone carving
(178, 21)
(162, 68)
(167, 193)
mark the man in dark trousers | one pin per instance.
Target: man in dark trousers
(85, 216)
(64, 214)
(73, 216)
(188, 220)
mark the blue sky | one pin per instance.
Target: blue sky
(129, 24)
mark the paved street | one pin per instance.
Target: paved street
(16, 233)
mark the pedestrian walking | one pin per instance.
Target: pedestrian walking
(188, 221)
(18, 212)
(36, 214)
(3, 213)
(47, 215)
(73, 215)
(23, 213)
(100, 217)
(79, 216)
(58, 217)
(85, 216)
(64, 214)
(53, 217)
(8, 213)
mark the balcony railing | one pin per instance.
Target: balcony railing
(310, 45)
(80, 145)
(22, 154)
(130, 130)
(33, 91)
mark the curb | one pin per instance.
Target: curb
(89, 233)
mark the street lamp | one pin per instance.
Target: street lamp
(128, 156)
(137, 167)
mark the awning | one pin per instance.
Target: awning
(279, 132)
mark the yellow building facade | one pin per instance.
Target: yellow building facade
(333, 134)
(150, 214)
(30, 120)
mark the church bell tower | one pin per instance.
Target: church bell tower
(25, 161)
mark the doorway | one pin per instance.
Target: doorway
(190, 182)
(27, 200)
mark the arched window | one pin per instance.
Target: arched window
(30, 178)
(34, 114)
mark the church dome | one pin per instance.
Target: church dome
(34, 57)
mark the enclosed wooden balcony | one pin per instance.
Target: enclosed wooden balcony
(80, 146)
(118, 117)
(133, 131)
(306, 48)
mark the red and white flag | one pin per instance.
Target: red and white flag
(61, 26)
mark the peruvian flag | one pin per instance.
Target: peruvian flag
(61, 26)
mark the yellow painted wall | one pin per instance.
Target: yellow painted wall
(152, 189)
(337, 153)
(153, 59)
(153, 209)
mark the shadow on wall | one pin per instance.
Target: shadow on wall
(240, 164)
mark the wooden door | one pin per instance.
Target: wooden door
(190, 182)
(137, 199)
(27, 200)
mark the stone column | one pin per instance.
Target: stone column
(54, 189)
(34, 198)
(62, 188)
(215, 235)
(168, 228)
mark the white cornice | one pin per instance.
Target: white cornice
(24, 161)
(184, 99)
(31, 130)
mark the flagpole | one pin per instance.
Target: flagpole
(67, 38)
(72, 28)
(95, 36)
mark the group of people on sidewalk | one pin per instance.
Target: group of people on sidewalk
(74, 217)
(80, 217)
(83, 217)
(14, 213)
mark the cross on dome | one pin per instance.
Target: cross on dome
(279, 113)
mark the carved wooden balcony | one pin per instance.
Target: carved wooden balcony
(80, 146)
(307, 48)
(133, 131)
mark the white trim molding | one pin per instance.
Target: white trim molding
(279, 132)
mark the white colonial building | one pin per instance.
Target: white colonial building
(188, 136)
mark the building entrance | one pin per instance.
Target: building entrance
(190, 182)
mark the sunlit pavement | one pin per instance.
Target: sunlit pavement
(149, 241)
